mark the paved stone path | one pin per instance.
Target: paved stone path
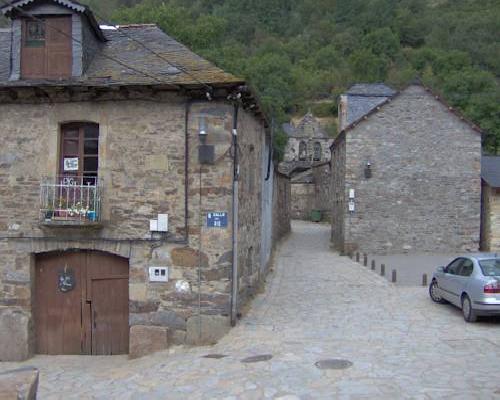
(317, 306)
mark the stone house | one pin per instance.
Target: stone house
(136, 188)
(490, 203)
(406, 178)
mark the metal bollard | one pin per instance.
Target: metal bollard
(365, 259)
(373, 265)
(393, 276)
(357, 256)
(424, 280)
(382, 270)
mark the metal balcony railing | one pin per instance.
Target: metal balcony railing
(70, 200)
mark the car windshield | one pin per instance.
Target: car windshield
(490, 267)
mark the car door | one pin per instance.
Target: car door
(448, 284)
(458, 283)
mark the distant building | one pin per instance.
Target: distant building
(308, 142)
(405, 174)
(308, 146)
(490, 202)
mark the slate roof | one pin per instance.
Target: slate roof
(72, 4)
(122, 44)
(371, 89)
(490, 170)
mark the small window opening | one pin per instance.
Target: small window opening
(35, 34)
(317, 151)
(302, 151)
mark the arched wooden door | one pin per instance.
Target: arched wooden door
(81, 303)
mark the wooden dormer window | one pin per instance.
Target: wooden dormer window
(46, 51)
(35, 34)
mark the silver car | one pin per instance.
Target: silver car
(470, 282)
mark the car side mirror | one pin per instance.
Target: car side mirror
(441, 269)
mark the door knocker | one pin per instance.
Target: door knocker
(66, 280)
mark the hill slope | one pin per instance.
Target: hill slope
(296, 52)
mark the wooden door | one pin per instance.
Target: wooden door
(59, 54)
(81, 304)
(107, 290)
(46, 50)
(58, 313)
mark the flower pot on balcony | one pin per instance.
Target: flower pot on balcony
(61, 214)
(49, 215)
(92, 216)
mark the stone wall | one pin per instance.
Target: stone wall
(424, 192)
(322, 190)
(267, 171)
(490, 228)
(142, 167)
(337, 189)
(282, 197)
(251, 138)
(303, 201)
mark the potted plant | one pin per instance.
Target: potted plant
(61, 211)
(49, 213)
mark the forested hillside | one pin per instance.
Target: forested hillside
(294, 52)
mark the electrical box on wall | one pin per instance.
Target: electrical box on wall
(158, 274)
(206, 154)
(160, 224)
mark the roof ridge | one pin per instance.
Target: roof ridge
(135, 25)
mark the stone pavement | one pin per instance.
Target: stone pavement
(317, 306)
(410, 267)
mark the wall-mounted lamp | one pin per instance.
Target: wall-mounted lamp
(368, 170)
(202, 130)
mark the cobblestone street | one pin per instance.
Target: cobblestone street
(317, 306)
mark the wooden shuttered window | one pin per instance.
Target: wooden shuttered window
(80, 152)
(46, 50)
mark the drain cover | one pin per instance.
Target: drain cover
(333, 364)
(215, 356)
(254, 359)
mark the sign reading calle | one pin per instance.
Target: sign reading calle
(217, 219)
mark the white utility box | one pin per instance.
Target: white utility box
(158, 274)
(162, 222)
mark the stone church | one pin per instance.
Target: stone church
(308, 148)
(308, 143)
(137, 189)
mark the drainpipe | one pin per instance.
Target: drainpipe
(186, 169)
(270, 156)
(234, 211)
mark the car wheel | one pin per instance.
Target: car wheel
(468, 311)
(433, 292)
